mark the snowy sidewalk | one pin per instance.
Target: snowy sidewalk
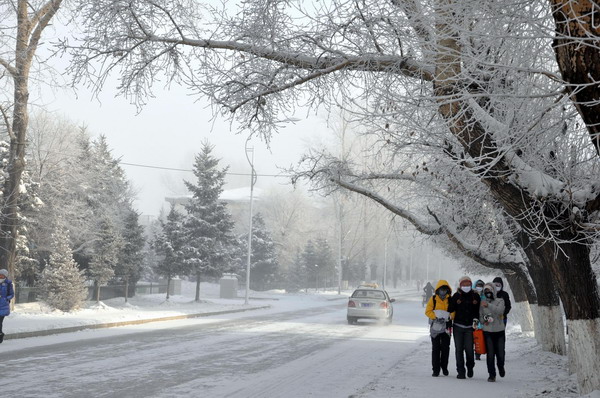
(530, 372)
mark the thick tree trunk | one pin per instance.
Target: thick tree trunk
(579, 293)
(549, 319)
(521, 310)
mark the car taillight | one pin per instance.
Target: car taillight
(351, 303)
(383, 304)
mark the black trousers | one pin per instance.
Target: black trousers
(463, 344)
(1, 320)
(440, 351)
(495, 343)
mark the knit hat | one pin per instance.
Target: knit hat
(464, 278)
(499, 280)
(4, 272)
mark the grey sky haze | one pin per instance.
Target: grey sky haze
(167, 133)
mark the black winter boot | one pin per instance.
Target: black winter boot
(1, 337)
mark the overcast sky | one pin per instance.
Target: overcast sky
(170, 130)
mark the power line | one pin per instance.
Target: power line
(191, 171)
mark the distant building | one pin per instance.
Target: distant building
(238, 204)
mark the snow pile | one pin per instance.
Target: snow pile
(38, 316)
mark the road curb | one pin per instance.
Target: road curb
(71, 329)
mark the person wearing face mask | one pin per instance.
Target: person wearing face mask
(440, 321)
(500, 292)
(465, 305)
(6, 294)
(491, 312)
(479, 289)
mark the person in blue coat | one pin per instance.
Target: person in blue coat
(6, 294)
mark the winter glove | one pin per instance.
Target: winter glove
(475, 322)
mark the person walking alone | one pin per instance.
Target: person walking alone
(440, 327)
(6, 294)
(491, 313)
(465, 305)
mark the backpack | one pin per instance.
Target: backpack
(437, 327)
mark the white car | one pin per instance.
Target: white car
(370, 303)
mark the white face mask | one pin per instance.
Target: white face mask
(479, 289)
(2, 280)
(465, 289)
(498, 288)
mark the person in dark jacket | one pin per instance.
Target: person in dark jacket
(465, 305)
(428, 289)
(6, 294)
(501, 293)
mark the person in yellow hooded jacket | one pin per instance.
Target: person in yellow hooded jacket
(440, 327)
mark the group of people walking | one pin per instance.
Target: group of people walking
(479, 306)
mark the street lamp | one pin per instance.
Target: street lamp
(252, 182)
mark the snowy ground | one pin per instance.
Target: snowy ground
(299, 347)
(31, 317)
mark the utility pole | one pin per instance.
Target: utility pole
(252, 182)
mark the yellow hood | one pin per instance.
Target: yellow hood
(441, 283)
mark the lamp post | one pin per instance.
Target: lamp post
(252, 182)
(317, 278)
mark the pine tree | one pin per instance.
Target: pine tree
(326, 270)
(168, 245)
(131, 256)
(208, 226)
(296, 275)
(263, 260)
(62, 283)
(106, 248)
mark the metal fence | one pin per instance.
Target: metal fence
(28, 294)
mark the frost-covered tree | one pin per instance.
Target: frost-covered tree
(131, 257)
(106, 249)
(209, 243)
(264, 267)
(23, 25)
(168, 244)
(504, 109)
(62, 283)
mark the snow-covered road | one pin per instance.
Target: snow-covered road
(295, 352)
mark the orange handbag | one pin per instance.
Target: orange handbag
(479, 342)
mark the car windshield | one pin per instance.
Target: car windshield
(374, 294)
